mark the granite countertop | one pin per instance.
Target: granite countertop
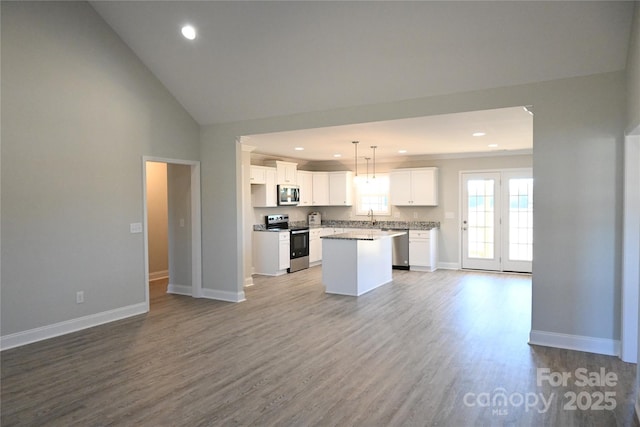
(365, 225)
(371, 234)
(395, 225)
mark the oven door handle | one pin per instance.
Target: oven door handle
(299, 231)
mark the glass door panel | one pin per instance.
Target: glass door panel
(480, 222)
(518, 216)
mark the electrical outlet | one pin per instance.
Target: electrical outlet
(415, 215)
(181, 222)
(135, 227)
(396, 214)
(79, 297)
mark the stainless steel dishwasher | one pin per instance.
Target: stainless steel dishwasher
(400, 249)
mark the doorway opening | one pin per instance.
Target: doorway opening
(158, 227)
(172, 227)
(497, 220)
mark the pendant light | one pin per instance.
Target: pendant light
(355, 144)
(374, 160)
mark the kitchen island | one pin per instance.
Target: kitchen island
(357, 262)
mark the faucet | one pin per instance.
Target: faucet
(370, 215)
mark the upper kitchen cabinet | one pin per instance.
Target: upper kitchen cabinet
(305, 182)
(414, 187)
(340, 188)
(265, 195)
(320, 188)
(287, 171)
(258, 175)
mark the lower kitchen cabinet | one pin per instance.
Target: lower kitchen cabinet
(315, 246)
(423, 249)
(271, 252)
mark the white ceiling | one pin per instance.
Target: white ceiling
(264, 59)
(510, 128)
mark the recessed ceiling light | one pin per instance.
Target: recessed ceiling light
(189, 32)
(299, 148)
(402, 151)
(492, 145)
(479, 134)
(337, 155)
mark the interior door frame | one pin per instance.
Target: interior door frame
(461, 200)
(630, 251)
(196, 224)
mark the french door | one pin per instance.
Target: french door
(497, 220)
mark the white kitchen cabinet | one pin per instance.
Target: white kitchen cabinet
(258, 174)
(414, 187)
(423, 249)
(320, 181)
(340, 188)
(305, 182)
(287, 171)
(315, 245)
(284, 252)
(271, 252)
(265, 195)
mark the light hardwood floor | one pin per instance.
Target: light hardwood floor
(426, 349)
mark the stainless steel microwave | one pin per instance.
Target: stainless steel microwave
(288, 195)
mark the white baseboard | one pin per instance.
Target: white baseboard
(449, 265)
(423, 269)
(207, 293)
(276, 274)
(179, 289)
(157, 275)
(223, 295)
(68, 326)
(575, 342)
(248, 281)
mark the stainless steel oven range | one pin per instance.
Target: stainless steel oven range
(298, 240)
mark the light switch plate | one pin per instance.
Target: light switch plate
(135, 227)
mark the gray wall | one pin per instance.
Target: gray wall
(79, 110)
(633, 73)
(577, 163)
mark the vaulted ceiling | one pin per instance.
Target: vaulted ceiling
(263, 59)
(266, 58)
